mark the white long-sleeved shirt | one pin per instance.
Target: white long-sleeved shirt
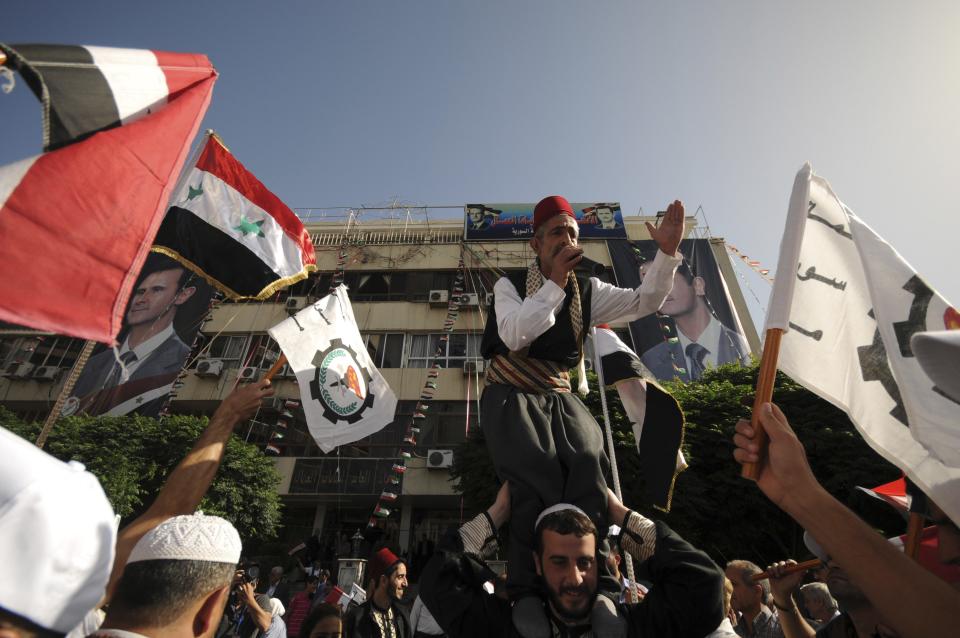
(520, 322)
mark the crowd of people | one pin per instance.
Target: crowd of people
(177, 572)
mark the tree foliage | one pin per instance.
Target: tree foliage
(133, 455)
(713, 507)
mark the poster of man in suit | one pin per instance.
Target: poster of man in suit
(165, 311)
(697, 327)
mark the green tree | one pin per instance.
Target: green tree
(132, 456)
(712, 506)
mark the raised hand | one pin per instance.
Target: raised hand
(670, 231)
(243, 402)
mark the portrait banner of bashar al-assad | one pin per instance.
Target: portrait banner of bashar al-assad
(489, 222)
(697, 326)
(166, 309)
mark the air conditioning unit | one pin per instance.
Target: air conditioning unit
(438, 297)
(439, 459)
(469, 300)
(296, 304)
(20, 370)
(248, 373)
(46, 373)
(474, 366)
(210, 368)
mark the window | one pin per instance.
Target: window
(385, 349)
(444, 425)
(459, 347)
(56, 351)
(263, 353)
(230, 348)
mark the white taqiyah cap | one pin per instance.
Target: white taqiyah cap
(559, 507)
(57, 536)
(190, 537)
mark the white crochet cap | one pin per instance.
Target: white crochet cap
(57, 536)
(559, 507)
(190, 537)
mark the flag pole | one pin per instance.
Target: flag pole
(275, 368)
(778, 310)
(628, 560)
(65, 391)
(911, 546)
(764, 394)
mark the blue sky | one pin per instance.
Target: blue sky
(444, 102)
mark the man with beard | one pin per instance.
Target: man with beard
(685, 598)
(381, 616)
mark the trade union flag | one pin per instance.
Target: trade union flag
(227, 227)
(77, 221)
(849, 305)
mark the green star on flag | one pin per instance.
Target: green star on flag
(194, 192)
(249, 227)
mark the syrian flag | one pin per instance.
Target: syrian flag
(344, 396)
(227, 227)
(849, 305)
(76, 222)
(655, 415)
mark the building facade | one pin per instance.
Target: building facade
(400, 276)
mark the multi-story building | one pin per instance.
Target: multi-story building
(400, 275)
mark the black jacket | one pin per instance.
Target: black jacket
(686, 599)
(357, 623)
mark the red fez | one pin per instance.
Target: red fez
(382, 564)
(550, 207)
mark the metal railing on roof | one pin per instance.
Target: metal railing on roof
(384, 237)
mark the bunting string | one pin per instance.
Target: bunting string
(391, 489)
(754, 265)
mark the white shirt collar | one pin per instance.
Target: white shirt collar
(709, 339)
(150, 344)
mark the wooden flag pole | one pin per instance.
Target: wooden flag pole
(813, 563)
(275, 368)
(911, 546)
(764, 394)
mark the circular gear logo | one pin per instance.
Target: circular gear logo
(341, 384)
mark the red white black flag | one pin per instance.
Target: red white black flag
(76, 222)
(227, 227)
